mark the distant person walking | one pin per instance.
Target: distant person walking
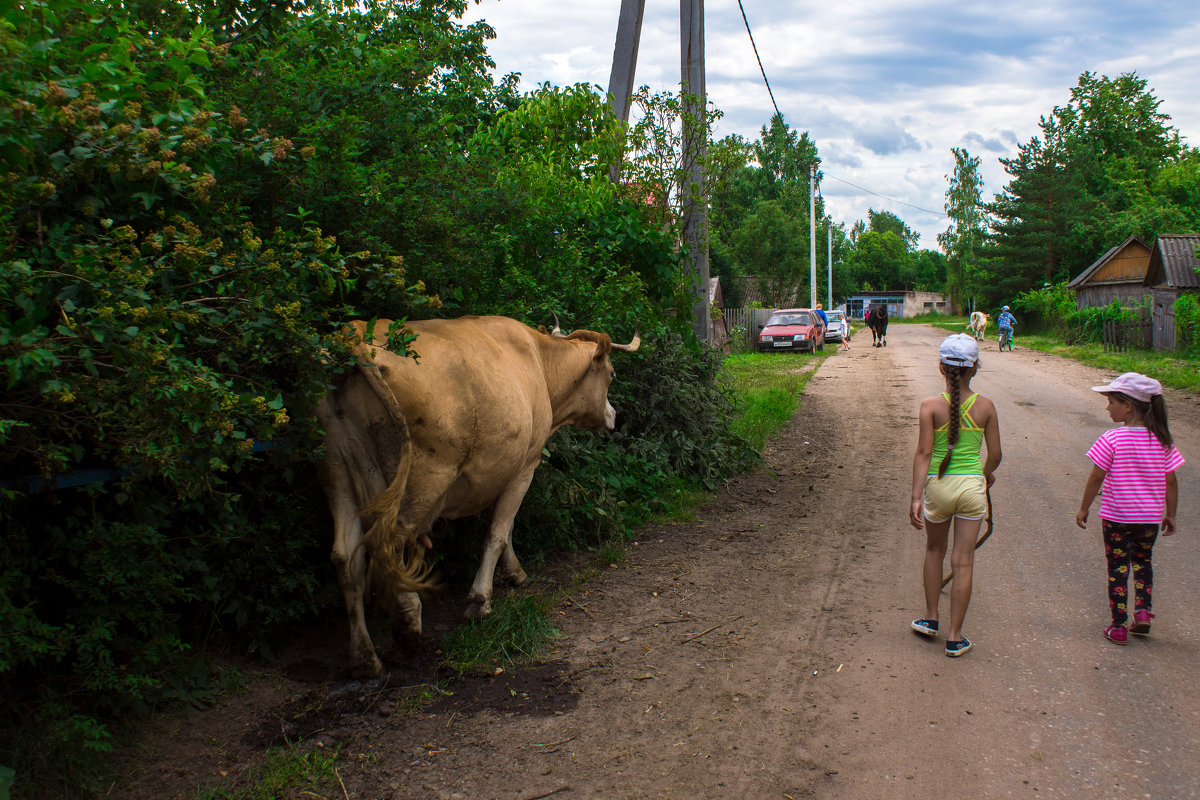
(1135, 464)
(954, 426)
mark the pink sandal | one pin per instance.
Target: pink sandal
(1116, 634)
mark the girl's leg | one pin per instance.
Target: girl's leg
(1140, 544)
(936, 537)
(1116, 554)
(962, 565)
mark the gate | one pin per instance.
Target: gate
(1121, 336)
(743, 327)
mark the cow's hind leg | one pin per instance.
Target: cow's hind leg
(499, 547)
(350, 563)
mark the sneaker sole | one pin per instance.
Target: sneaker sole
(959, 652)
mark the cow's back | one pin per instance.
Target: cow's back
(476, 404)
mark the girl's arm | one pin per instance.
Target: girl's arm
(991, 437)
(1168, 526)
(1094, 482)
(921, 463)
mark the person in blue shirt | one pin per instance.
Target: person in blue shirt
(1006, 322)
(821, 314)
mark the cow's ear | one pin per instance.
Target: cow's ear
(601, 353)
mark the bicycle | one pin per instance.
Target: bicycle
(1005, 339)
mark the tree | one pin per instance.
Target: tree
(962, 239)
(771, 244)
(883, 221)
(1083, 184)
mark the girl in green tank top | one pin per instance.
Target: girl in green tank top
(950, 481)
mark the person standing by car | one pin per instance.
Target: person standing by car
(954, 426)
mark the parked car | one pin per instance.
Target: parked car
(839, 326)
(792, 329)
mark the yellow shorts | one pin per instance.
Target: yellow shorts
(962, 496)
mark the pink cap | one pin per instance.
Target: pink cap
(1133, 384)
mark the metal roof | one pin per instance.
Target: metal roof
(1096, 265)
(1173, 261)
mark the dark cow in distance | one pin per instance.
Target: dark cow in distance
(877, 321)
(457, 431)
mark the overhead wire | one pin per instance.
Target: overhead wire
(779, 114)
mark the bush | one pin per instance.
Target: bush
(1187, 326)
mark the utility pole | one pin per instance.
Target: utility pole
(620, 80)
(812, 234)
(695, 142)
(829, 263)
(629, 34)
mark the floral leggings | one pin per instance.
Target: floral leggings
(1127, 547)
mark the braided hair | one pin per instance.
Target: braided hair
(953, 375)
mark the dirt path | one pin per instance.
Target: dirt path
(764, 652)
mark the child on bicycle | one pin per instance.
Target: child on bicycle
(1006, 322)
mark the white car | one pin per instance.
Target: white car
(839, 326)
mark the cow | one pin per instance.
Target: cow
(877, 321)
(978, 325)
(458, 430)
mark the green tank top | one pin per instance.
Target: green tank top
(966, 460)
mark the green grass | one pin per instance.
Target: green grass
(769, 388)
(286, 772)
(1168, 368)
(519, 629)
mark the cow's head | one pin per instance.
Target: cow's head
(587, 405)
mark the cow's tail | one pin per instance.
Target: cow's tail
(397, 558)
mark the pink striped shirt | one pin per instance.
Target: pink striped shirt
(1135, 481)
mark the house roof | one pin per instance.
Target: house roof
(1100, 262)
(1173, 261)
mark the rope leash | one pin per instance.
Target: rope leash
(982, 539)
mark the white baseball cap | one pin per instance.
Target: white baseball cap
(959, 350)
(1132, 384)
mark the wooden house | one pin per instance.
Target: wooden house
(1117, 275)
(1171, 272)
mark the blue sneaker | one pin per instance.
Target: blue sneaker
(958, 648)
(925, 627)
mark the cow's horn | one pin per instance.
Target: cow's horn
(557, 332)
(633, 345)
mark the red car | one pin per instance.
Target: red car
(792, 329)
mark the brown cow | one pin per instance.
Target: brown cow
(454, 432)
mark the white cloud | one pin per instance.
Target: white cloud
(885, 89)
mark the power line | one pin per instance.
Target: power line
(884, 197)
(780, 115)
(760, 66)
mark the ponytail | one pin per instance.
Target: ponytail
(1156, 420)
(952, 374)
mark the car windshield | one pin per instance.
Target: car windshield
(788, 319)
(834, 315)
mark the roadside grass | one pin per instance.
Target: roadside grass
(286, 772)
(768, 387)
(1170, 369)
(518, 629)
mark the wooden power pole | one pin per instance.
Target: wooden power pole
(695, 144)
(629, 33)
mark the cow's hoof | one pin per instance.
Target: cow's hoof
(367, 670)
(478, 608)
(518, 578)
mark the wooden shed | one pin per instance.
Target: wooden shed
(1117, 275)
(1171, 272)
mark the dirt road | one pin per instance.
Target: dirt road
(764, 652)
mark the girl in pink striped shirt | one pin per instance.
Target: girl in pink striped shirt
(1135, 465)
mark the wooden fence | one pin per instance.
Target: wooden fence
(1121, 336)
(742, 325)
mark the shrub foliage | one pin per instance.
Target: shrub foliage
(193, 198)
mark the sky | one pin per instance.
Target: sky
(886, 88)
